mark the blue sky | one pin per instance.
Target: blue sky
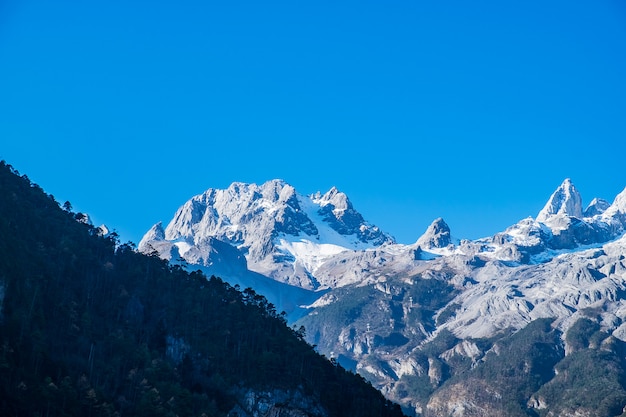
(472, 111)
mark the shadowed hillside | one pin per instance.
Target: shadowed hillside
(90, 327)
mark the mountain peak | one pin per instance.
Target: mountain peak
(334, 197)
(337, 211)
(597, 206)
(156, 233)
(279, 230)
(566, 200)
(618, 208)
(436, 236)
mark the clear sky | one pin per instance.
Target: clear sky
(474, 111)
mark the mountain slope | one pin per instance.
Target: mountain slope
(91, 327)
(439, 323)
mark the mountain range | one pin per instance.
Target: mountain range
(493, 326)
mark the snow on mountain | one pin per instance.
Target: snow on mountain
(436, 236)
(374, 304)
(560, 225)
(321, 241)
(282, 234)
(615, 214)
(502, 297)
(596, 207)
(335, 209)
(565, 200)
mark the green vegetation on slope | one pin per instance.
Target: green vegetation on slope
(524, 373)
(89, 327)
(591, 379)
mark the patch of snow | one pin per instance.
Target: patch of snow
(327, 234)
(618, 207)
(310, 254)
(183, 246)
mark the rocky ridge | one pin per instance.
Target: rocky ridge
(280, 233)
(383, 308)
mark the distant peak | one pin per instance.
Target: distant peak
(156, 233)
(277, 190)
(158, 230)
(436, 236)
(597, 206)
(236, 185)
(332, 193)
(336, 198)
(439, 222)
(277, 182)
(565, 200)
(618, 208)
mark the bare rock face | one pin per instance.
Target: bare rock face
(596, 207)
(566, 200)
(155, 234)
(572, 232)
(464, 400)
(436, 236)
(337, 210)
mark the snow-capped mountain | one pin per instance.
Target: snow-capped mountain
(436, 236)
(566, 201)
(321, 242)
(383, 308)
(268, 228)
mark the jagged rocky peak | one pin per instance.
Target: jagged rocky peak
(596, 207)
(436, 236)
(243, 213)
(336, 209)
(279, 191)
(278, 230)
(269, 196)
(566, 200)
(289, 217)
(156, 232)
(618, 208)
(335, 198)
(188, 215)
(232, 214)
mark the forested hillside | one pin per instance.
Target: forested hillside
(90, 327)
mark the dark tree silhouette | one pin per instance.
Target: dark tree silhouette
(90, 327)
